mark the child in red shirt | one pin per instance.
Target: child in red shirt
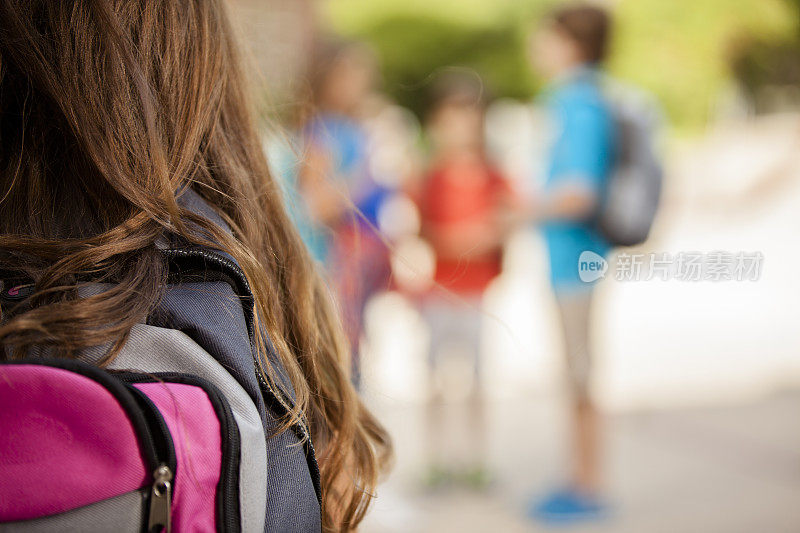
(464, 202)
(459, 205)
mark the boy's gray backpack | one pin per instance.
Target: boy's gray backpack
(633, 193)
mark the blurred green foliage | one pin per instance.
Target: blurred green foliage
(678, 49)
(416, 38)
(681, 50)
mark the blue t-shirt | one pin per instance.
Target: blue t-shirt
(347, 143)
(285, 163)
(582, 154)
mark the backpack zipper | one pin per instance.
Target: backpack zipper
(160, 504)
(160, 515)
(228, 504)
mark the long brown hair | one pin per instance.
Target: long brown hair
(108, 110)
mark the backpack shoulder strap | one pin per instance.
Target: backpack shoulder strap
(202, 265)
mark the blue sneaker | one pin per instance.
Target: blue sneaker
(567, 507)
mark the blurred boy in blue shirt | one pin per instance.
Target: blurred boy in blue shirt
(567, 50)
(580, 163)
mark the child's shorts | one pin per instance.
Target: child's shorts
(574, 310)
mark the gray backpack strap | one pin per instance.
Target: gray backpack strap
(225, 335)
(210, 301)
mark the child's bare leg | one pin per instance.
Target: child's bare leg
(574, 310)
(586, 449)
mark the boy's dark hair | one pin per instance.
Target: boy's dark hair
(589, 26)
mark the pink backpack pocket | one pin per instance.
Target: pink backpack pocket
(83, 449)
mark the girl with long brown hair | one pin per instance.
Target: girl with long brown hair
(116, 118)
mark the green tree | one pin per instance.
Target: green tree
(678, 49)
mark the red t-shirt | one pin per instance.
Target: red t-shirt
(464, 193)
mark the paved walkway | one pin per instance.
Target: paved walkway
(710, 470)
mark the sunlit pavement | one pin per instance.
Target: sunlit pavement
(700, 381)
(712, 470)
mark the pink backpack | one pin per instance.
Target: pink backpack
(82, 448)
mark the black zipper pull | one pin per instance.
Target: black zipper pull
(161, 501)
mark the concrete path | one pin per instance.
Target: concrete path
(732, 469)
